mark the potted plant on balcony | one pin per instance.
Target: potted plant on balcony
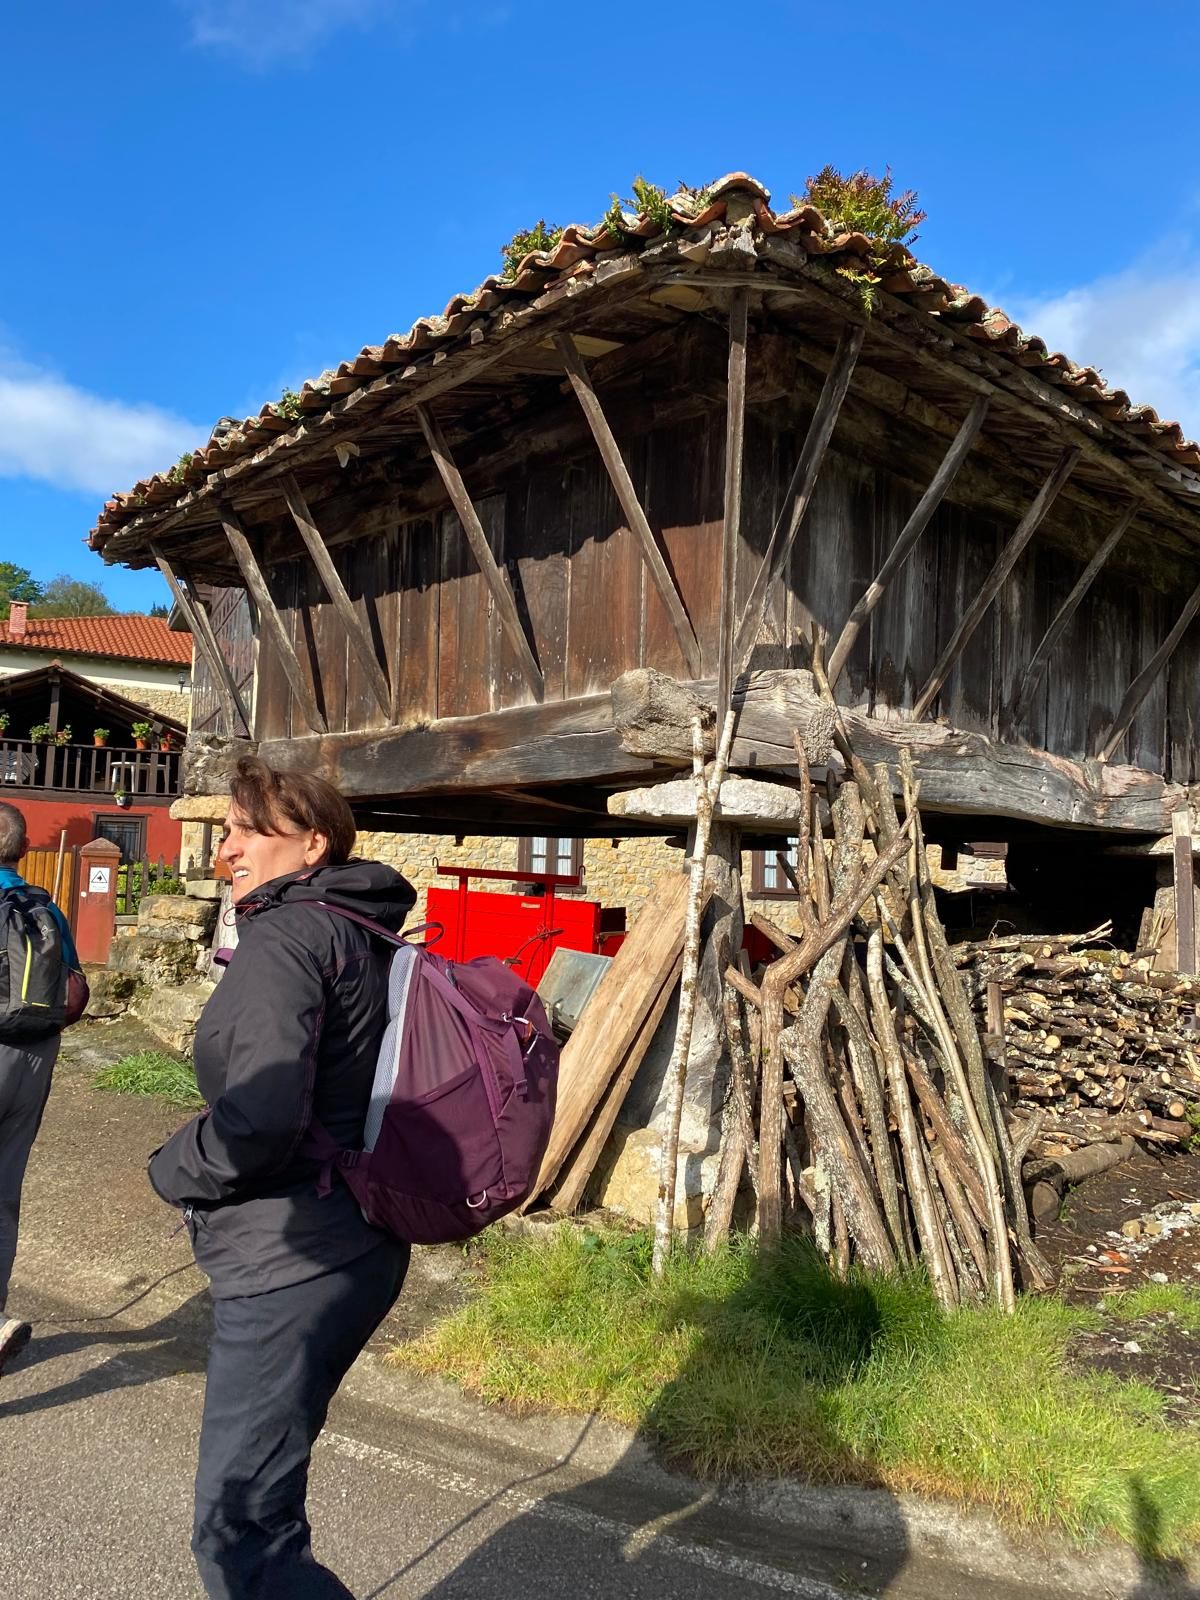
(40, 733)
(99, 737)
(141, 734)
(3, 721)
(63, 736)
(166, 740)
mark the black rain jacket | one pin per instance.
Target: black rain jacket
(291, 1032)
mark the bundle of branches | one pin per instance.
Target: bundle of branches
(874, 1119)
(1103, 1044)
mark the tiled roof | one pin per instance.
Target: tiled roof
(122, 638)
(736, 203)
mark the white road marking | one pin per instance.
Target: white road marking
(630, 1537)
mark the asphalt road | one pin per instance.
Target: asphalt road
(98, 1432)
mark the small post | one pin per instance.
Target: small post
(96, 910)
(1185, 892)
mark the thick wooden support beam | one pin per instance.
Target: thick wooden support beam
(1144, 682)
(270, 619)
(909, 534)
(493, 575)
(1040, 659)
(735, 434)
(360, 642)
(994, 582)
(800, 491)
(1185, 893)
(622, 483)
(232, 705)
(961, 773)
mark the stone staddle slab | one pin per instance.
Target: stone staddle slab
(743, 803)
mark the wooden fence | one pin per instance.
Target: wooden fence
(41, 867)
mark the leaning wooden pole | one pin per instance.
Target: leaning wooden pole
(735, 435)
(994, 582)
(908, 536)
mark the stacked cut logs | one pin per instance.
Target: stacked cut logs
(1099, 1042)
(860, 1096)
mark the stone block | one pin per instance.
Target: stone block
(204, 888)
(158, 958)
(627, 1179)
(177, 916)
(171, 1013)
(743, 803)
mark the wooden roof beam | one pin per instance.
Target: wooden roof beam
(494, 575)
(359, 639)
(1040, 658)
(270, 619)
(1144, 682)
(233, 707)
(909, 534)
(799, 493)
(994, 582)
(618, 472)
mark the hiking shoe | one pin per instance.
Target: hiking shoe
(14, 1336)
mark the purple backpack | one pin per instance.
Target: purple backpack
(463, 1097)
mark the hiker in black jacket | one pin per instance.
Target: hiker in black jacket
(299, 1279)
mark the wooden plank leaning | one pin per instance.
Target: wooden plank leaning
(359, 639)
(493, 575)
(270, 619)
(994, 582)
(614, 462)
(735, 435)
(613, 1017)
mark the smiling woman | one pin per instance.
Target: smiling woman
(281, 822)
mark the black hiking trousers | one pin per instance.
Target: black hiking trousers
(275, 1363)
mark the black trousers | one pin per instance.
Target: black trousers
(275, 1363)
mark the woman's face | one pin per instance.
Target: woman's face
(255, 858)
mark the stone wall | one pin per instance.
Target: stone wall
(161, 702)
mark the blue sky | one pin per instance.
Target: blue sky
(207, 200)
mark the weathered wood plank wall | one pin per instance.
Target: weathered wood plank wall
(582, 593)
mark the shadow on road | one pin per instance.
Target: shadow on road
(642, 1530)
(178, 1342)
(1162, 1575)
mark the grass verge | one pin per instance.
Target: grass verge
(152, 1072)
(742, 1365)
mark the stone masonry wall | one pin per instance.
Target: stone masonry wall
(161, 702)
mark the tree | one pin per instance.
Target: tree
(159, 611)
(17, 583)
(65, 596)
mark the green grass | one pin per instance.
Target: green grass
(739, 1365)
(154, 1073)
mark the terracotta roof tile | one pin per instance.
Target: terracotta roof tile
(738, 205)
(120, 638)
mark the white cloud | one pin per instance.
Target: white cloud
(63, 435)
(1140, 327)
(286, 30)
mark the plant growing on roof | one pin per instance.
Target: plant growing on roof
(862, 203)
(542, 236)
(288, 406)
(179, 471)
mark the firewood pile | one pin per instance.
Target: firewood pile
(861, 1099)
(1093, 1037)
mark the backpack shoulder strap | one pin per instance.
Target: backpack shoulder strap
(382, 932)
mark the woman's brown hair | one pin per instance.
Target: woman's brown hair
(266, 796)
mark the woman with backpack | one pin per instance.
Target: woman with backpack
(299, 1279)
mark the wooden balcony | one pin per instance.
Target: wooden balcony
(88, 769)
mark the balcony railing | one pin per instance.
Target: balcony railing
(98, 770)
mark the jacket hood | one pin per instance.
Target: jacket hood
(368, 887)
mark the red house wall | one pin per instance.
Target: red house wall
(45, 820)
